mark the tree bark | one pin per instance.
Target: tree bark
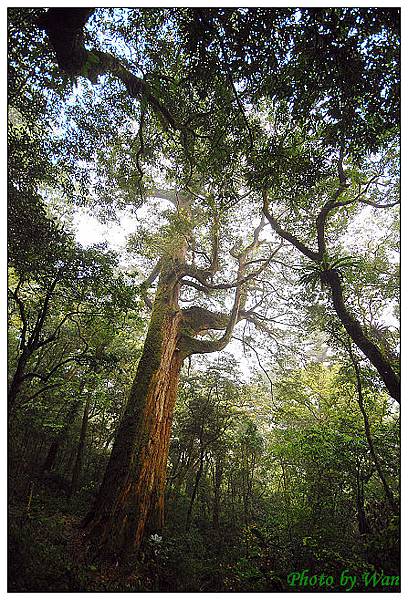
(355, 331)
(130, 503)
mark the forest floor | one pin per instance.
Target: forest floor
(47, 553)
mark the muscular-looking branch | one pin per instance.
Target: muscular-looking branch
(197, 320)
(355, 331)
(64, 27)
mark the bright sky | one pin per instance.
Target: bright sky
(89, 230)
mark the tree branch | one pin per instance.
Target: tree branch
(148, 282)
(64, 27)
(23, 317)
(207, 320)
(178, 199)
(197, 319)
(378, 205)
(202, 274)
(34, 342)
(285, 234)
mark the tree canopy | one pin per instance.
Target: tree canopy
(235, 364)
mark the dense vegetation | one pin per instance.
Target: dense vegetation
(214, 406)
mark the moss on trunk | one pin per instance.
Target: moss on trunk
(130, 503)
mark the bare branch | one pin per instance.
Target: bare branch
(202, 274)
(285, 234)
(245, 342)
(378, 205)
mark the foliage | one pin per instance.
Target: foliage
(258, 150)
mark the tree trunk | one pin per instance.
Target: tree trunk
(130, 503)
(218, 472)
(81, 447)
(18, 380)
(355, 331)
(363, 526)
(58, 441)
(195, 490)
(387, 490)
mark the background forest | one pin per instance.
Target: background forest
(206, 399)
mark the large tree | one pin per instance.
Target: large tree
(212, 88)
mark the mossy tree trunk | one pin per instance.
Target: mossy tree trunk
(130, 503)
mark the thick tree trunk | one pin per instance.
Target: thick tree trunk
(355, 331)
(81, 447)
(130, 503)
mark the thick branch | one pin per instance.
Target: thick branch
(64, 27)
(321, 222)
(197, 319)
(355, 331)
(190, 345)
